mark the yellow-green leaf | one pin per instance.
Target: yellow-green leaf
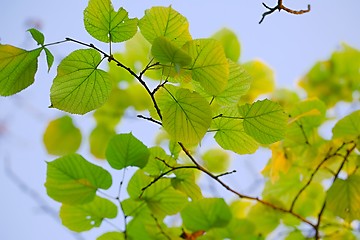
(79, 86)
(107, 25)
(166, 22)
(216, 160)
(112, 236)
(264, 120)
(185, 182)
(37, 36)
(230, 43)
(343, 198)
(186, 115)
(125, 150)
(62, 137)
(84, 217)
(210, 66)
(17, 69)
(73, 180)
(99, 139)
(348, 126)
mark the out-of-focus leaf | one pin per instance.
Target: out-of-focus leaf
(216, 160)
(112, 236)
(61, 137)
(230, 43)
(99, 139)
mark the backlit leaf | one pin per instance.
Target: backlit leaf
(264, 120)
(166, 22)
(230, 133)
(73, 180)
(62, 137)
(84, 217)
(205, 214)
(210, 66)
(167, 52)
(37, 36)
(112, 236)
(126, 150)
(49, 58)
(99, 139)
(107, 25)
(17, 69)
(348, 126)
(159, 162)
(186, 183)
(79, 85)
(343, 198)
(186, 115)
(216, 160)
(230, 43)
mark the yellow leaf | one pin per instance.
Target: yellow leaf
(278, 163)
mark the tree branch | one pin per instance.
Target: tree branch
(280, 7)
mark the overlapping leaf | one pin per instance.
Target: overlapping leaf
(79, 85)
(348, 126)
(229, 42)
(84, 217)
(264, 120)
(186, 115)
(205, 214)
(107, 25)
(62, 137)
(230, 133)
(210, 66)
(126, 150)
(73, 180)
(17, 69)
(166, 22)
(343, 198)
(186, 183)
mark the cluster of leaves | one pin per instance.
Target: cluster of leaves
(193, 88)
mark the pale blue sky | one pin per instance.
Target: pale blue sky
(287, 43)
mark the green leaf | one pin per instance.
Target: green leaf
(186, 115)
(210, 66)
(264, 120)
(185, 182)
(156, 165)
(205, 214)
(107, 25)
(229, 42)
(166, 22)
(216, 160)
(230, 133)
(84, 217)
(264, 218)
(99, 139)
(112, 236)
(17, 69)
(73, 180)
(37, 36)
(348, 127)
(343, 198)
(80, 86)
(126, 150)
(49, 58)
(62, 137)
(167, 52)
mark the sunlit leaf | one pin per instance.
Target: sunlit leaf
(230, 133)
(186, 183)
(159, 162)
(37, 36)
(348, 126)
(278, 162)
(49, 58)
(167, 52)
(264, 218)
(263, 80)
(17, 69)
(73, 180)
(166, 22)
(186, 115)
(79, 85)
(84, 217)
(210, 66)
(126, 150)
(205, 214)
(230, 43)
(107, 25)
(62, 136)
(216, 160)
(112, 236)
(343, 198)
(264, 120)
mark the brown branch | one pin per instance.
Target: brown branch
(280, 7)
(149, 119)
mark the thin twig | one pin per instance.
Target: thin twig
(280, 7)
(149, 119)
